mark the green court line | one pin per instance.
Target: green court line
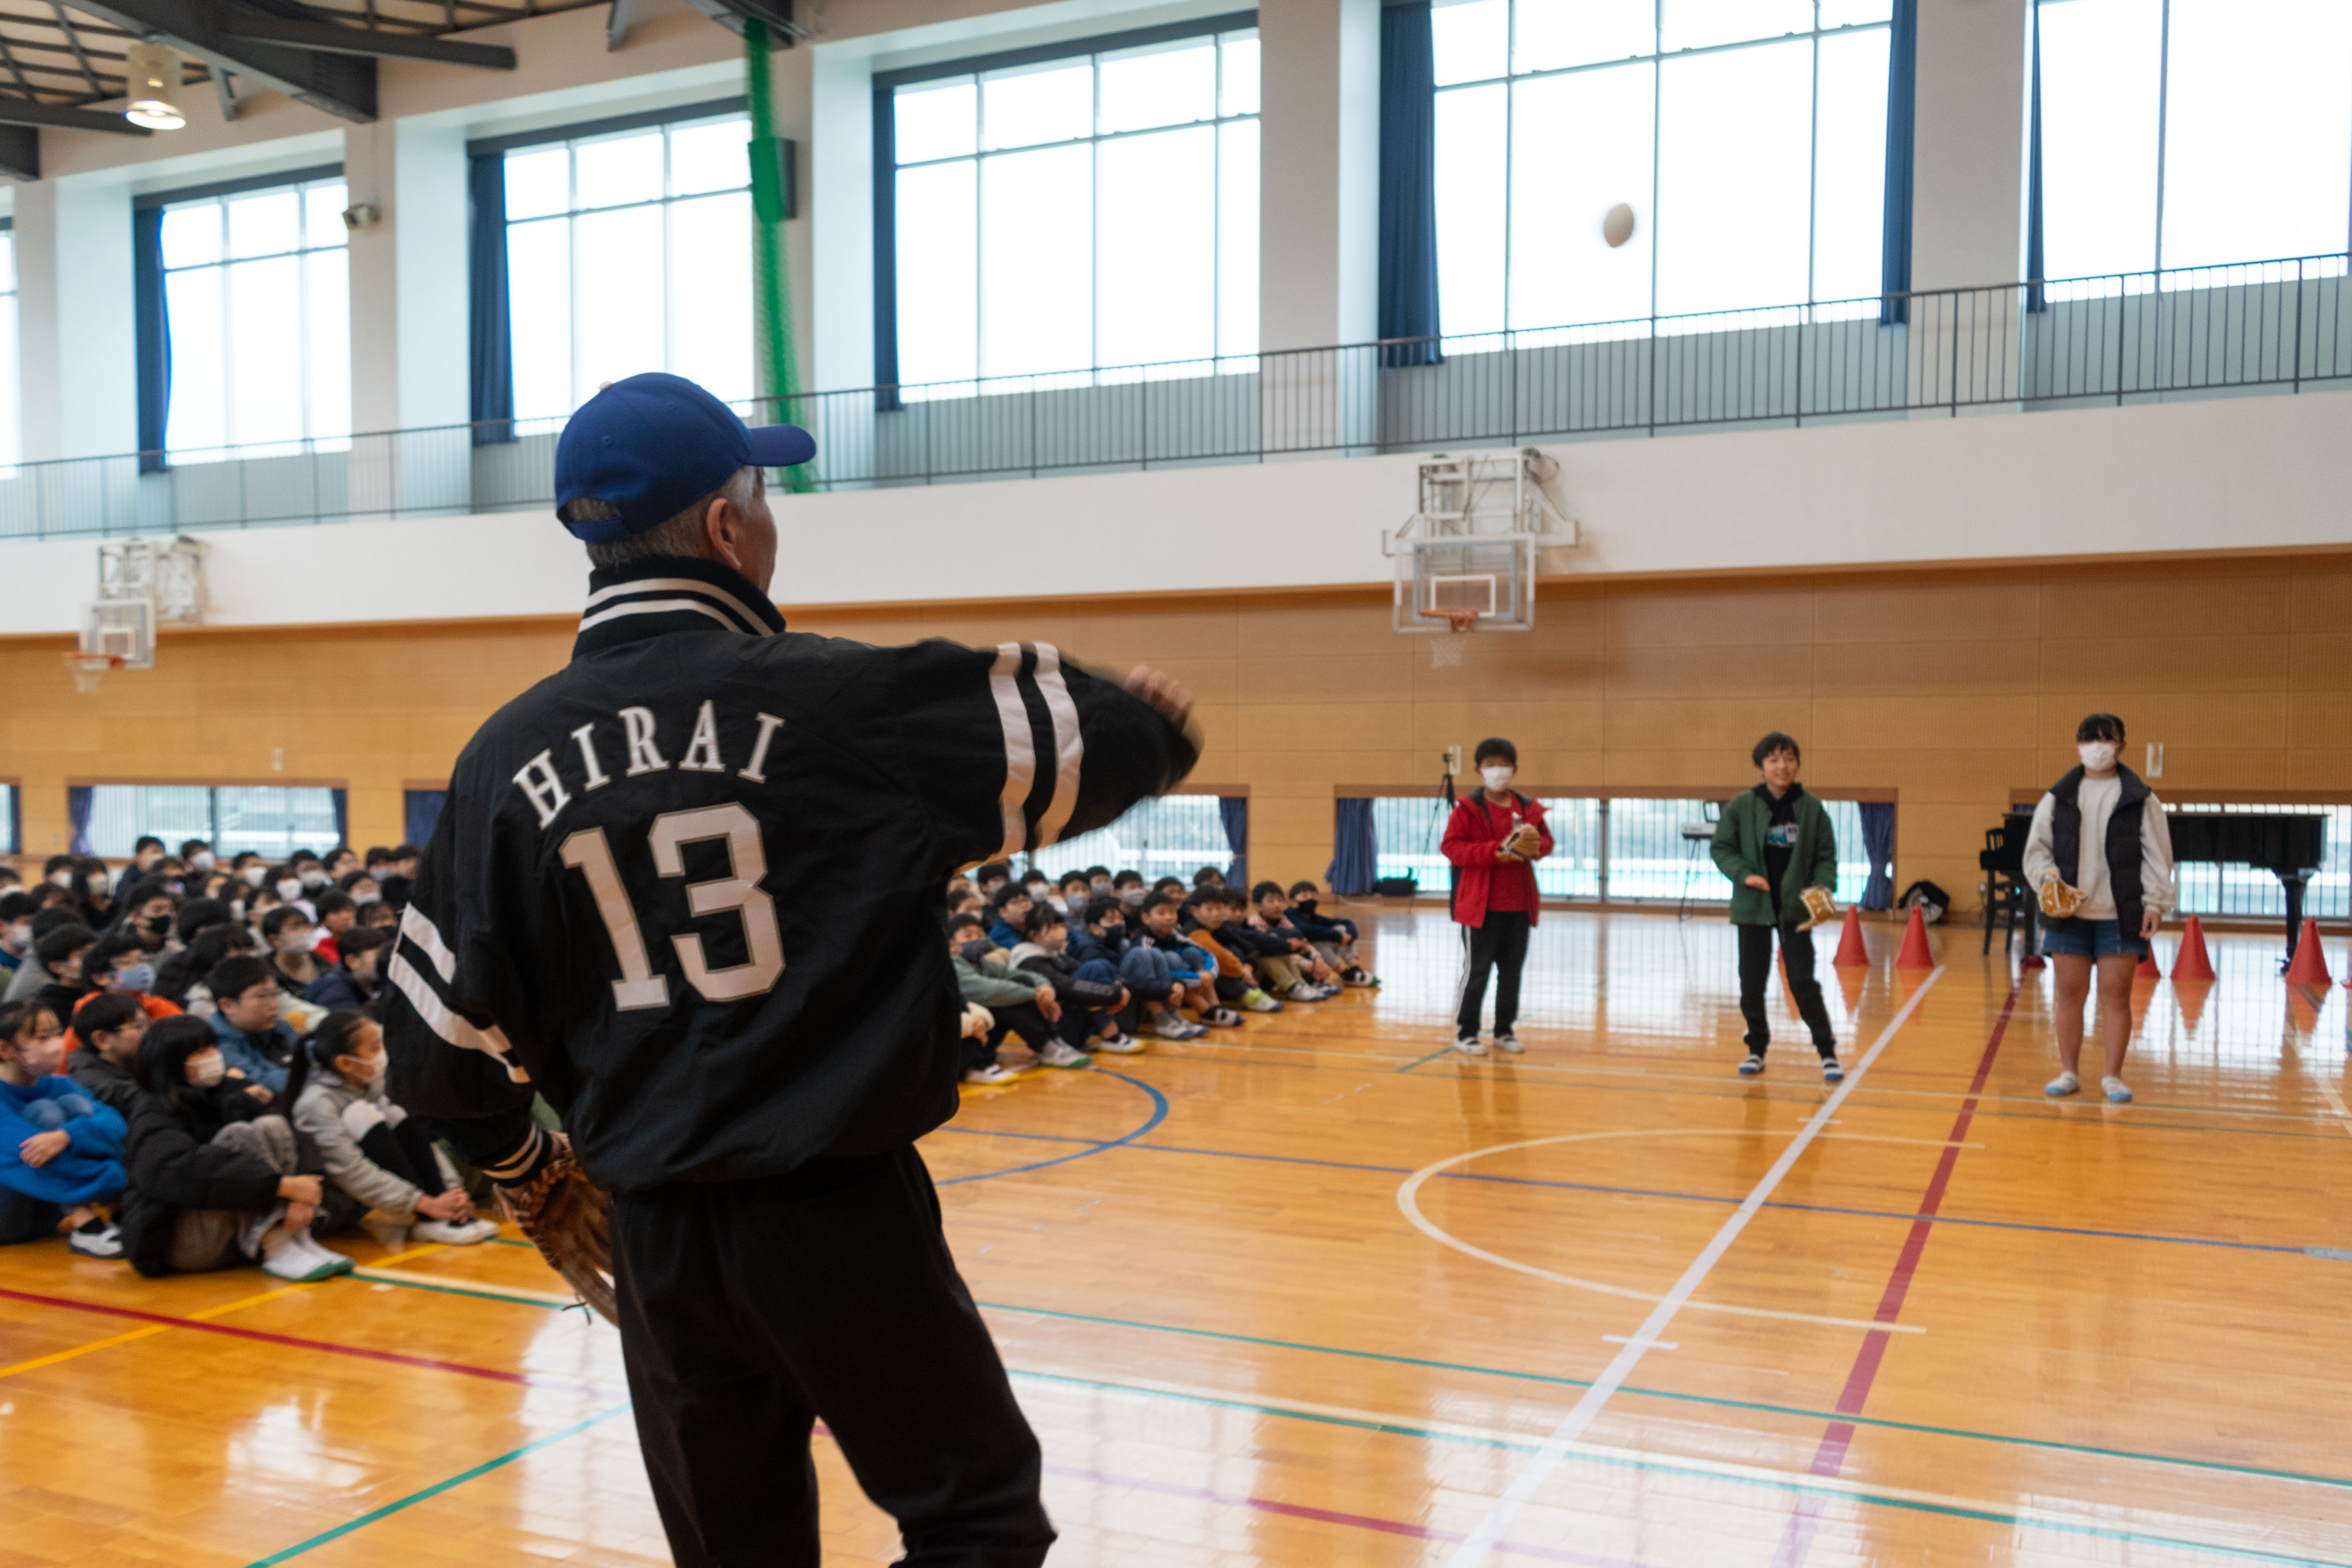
(1709, 1399)
(1666, 1466)
(413, 1498)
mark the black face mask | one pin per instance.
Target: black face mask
(1304, 906)
(973, 951)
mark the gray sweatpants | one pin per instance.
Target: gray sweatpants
(205, 1239)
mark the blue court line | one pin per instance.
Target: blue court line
(1635, 1191)
(413, 1498)
(1159, 1114)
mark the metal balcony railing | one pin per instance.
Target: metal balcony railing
(2270, 326)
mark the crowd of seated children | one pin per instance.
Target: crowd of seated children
(60, 1151)
(1019, 1004)
(1091, 997)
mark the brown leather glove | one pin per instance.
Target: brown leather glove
(1820, 907)
(569, 1219)
(2059, 901)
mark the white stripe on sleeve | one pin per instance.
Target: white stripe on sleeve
(1020, 751)
(445, 1022)
(1069, 746)
(427, 935)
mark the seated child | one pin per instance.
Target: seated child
(1264, 951)
(1023, 1006)
(1013, 905)
(1204, 918)
(1090, 1002)
(106, 1064)
(1076, 894)
(60, 1151)
(1271, 914)
(375, 1152)
(215, 1181)
(1332, 937)
(1159, 956)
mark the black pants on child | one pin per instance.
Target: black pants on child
(406, 1151)
(1500, 945)
(750, 1311)
(1023, 1018)
(1755, 967)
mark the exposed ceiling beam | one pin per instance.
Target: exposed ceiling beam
(616, 26)
(17, 112)
(225, 90)
(777, 13)
(329, 38)
(20, 151)
(344, 85)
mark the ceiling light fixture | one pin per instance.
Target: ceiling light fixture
(151, 80)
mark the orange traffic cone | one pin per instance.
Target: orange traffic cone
(2191, 962)
(2147, 969)
(1851, 954)
(1916, 953)
(2309, 966)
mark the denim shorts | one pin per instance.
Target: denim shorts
(2089, 939)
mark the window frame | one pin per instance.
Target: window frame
(1647, 325)
(12, 430)
(213, 815)
(885, 85)
(571, 136)
(297, 181)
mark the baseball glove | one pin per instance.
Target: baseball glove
(1820, 907)
(568, 1217)
(2059, 901)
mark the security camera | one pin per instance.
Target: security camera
(364, 215)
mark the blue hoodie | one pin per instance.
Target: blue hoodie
(263, 1058)
(91, 1165)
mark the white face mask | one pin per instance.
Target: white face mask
(254, 874)
(61, 880)
(292, 941)
(368, 1069)
(202, 860)
(290, 887)
(315, 879)
(16, 939)
(207, 1072)
(364, 899)
(1497, 777)
(2098, 756)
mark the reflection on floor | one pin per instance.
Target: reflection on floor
(1319, 1291)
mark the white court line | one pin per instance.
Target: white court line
(1572, 1426)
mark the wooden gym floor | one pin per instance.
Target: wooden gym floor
(1320, 1292)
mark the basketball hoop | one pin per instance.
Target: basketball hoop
(1445, 647)
(90, 669)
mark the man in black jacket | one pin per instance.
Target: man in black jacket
(686, 889)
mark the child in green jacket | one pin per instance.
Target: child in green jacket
(1775, 842)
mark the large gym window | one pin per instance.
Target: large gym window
(12, 426)
(1748, 139)
(256, 299)
(2192, 133)
(630, 249)
(233, 818)
(1170, 835)
(1096, 206)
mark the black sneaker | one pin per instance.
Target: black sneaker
(1831, 1071)
(1753, 1065)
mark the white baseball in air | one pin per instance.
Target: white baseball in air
(1617, 225)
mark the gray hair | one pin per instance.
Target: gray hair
(677, 535)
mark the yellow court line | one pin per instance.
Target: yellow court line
(149, 1331)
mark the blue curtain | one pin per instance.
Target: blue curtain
(2035, 301)
(885, 256)
(78, 803)
(1408, 186)
(423, 810)
(151, 322)
(1232, 810)
(1355, 848)
(1902, 113)
(490, 340)
(342, 801)
(1878, 843)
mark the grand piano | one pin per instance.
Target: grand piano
(2289, 847)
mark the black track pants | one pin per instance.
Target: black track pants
(752, 1310)
(1500, 945)
(1755, 967)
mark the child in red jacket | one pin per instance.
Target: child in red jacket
(1494, 839)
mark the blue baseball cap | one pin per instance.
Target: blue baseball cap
(653, 446)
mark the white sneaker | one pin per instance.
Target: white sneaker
(95, 1238)
(1506, 1041)
(2065, 1083)
(1470, 1045)
(1062, 1054)
(1302, 992)
(324, 1253)
(1257, 1001)
(2117, 1090)
(1173, 1027)
(454, 1232)
(990, 1074)
(299, 1263)
(1120, 1046)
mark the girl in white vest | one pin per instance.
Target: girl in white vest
(2100, 855)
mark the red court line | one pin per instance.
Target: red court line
(431, 1364)
(1331, 1516)
(1829, 1458)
